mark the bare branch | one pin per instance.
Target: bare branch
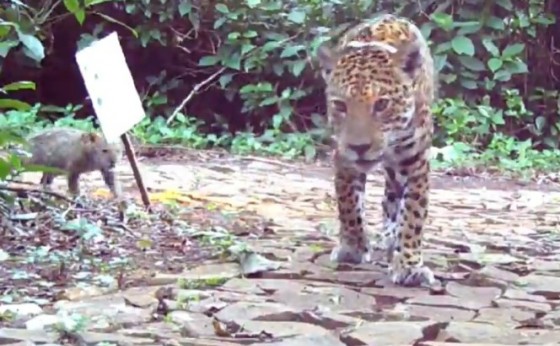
(193, 92)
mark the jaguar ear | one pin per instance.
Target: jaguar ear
(327, 59)
(410, 57)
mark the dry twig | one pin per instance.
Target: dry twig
(193, 92)
(36, 191)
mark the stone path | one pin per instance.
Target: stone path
(496, 251)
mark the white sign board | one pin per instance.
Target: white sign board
(110, 86)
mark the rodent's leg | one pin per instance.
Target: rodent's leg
(354, 246)
(47, 180)
(111, 181)
(74, 183)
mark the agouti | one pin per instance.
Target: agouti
(75, 152)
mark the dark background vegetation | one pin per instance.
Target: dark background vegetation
(257, 87)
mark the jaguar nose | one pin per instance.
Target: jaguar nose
(360, 149)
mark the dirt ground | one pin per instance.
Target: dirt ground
(493, 242)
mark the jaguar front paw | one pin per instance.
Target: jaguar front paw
(344, 253)
(410, 273)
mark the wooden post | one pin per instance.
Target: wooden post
(134, 165)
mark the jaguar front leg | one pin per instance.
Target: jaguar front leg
(354, 246)
(405, 218)
(392, 196)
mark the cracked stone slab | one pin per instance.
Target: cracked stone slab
(488, 246)
(472, 332)
(306, 340)
(386, 333)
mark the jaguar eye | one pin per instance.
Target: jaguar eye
(380, 105)
(339, 106)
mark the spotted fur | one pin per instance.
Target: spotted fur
(380, 85)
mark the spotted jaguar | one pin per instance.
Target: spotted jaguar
(380, 85)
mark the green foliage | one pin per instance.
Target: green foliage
(10, 162)
(185, 131)
(482, 51)
(19, 29)
(241, 45)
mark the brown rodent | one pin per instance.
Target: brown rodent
(76, 152)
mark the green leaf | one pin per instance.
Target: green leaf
(222, 8)
(513, 50)
(232, 36)
(466, 24)
(495, 23)
(270, 45)
(19, 86)
(219, 22)
(442, 48)
(225, 79)
(540, 122)
(246, 48)
(468, 30)
(9, 136)
(268, 101)
(545, 19)
(490, 47)
(472, 63)
(80, 15)
(426, 29)
(448, 78)
(297, 16)
(233, 61)
(194, 18)
(291, 51)
(502, 75)
(439, 62)
(208, 60)
(14, 104)
(298, 67)
(95, 2)
(253, 3)
(278, 69)
(463, 45)
(310, 151)
(72, 5)
(468, 84)
(250, 34)
(5, 169)
(497, 118)
(35, 48)
(494, 64)
(6, 46)
(443, 20)
(41, 168)
(516, 66)
(505, 4)
(277, 120)
(247, 89)
(184, 8)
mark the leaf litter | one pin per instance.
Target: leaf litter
(50, 243)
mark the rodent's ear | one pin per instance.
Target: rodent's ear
(90, 137)
(410, 58)
(327, 59)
